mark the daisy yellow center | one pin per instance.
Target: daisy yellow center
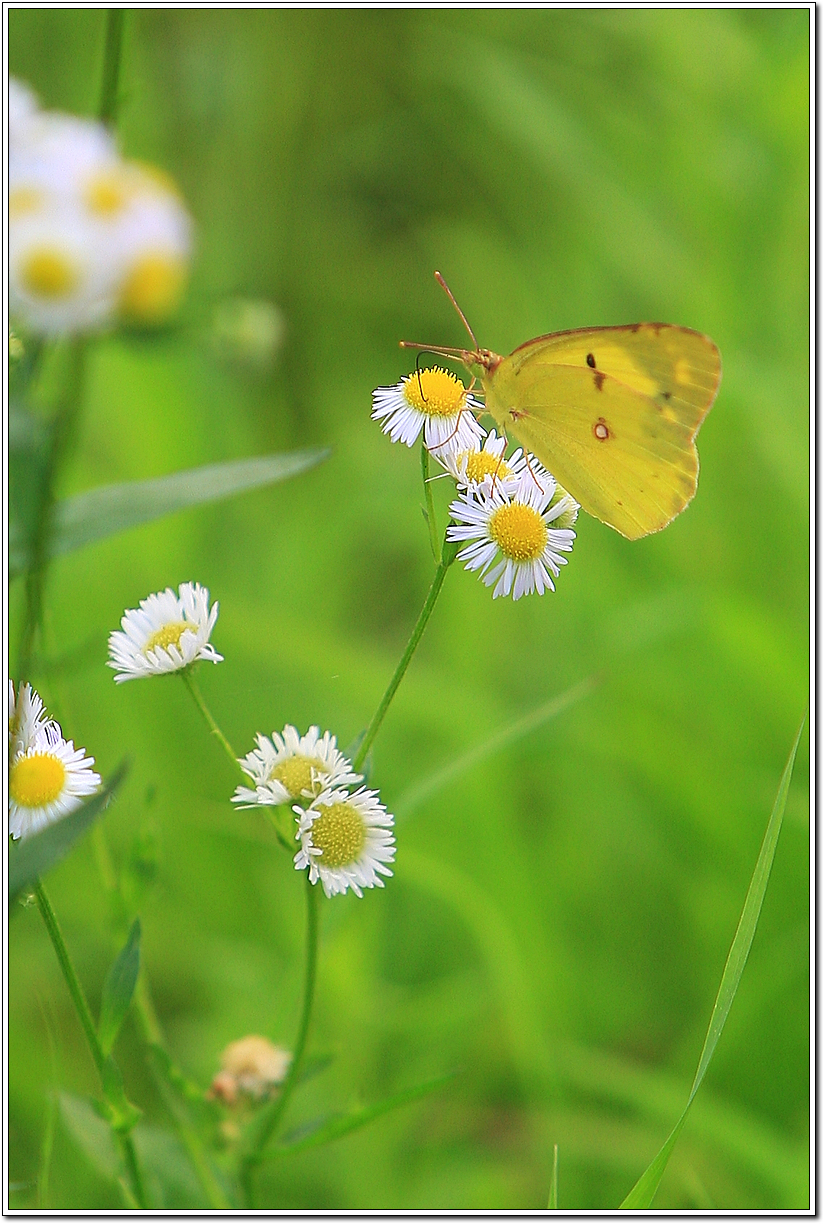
(435, 392)
(153, 287)
(106, 194)
(519, 531)
(340, 834)
(483, 463)
(48, 273)
(36, 780)
(23, 200)
(168, 635)
(295, 775)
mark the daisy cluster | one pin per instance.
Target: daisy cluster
(345, 835)
(48, 776)
(92, 237)
(344, 831)
(511, 514)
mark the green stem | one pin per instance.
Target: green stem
(267, 1121)
(72, 980)
(191, 684)
(87, 1023)
(434, 539)
(61, 433)
(411, 646)
(107, 111)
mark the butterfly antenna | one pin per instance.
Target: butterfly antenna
(451, 297)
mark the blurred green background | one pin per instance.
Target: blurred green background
(561, 910)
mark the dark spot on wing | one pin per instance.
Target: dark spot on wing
(667, 394)
(599, 377)
(591, 360)
(634, 327)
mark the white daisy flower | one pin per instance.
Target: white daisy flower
(345, 841)
(292, 767)
(166, 633)
(27, 718)
(432, 400)
(486, 461)
(514, 540)
(59, 280)
(47, 781)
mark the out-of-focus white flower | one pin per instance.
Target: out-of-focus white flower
(153, 236)
(58, 282)
(22, 105)
(345, 841)
(293, 767)
(90, 235)
(166, 633)
(57, 154)
(47, 780)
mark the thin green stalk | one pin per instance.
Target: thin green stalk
(62, 427)
(406, 658)
(84, 1013)
(72, 981)
(109, 98)
(267, 1121)
(188, 679)
(434, 538)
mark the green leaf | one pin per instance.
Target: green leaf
(113, 508)
(643, 1192)
(90, 1133)
(35, 855)
(343, 1124)
(552, 1205)
(171, 1180)
(118, 989)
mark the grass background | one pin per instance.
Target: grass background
(561, 911)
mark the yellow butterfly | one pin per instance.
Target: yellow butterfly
(612, 412)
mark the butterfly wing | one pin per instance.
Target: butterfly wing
(613, 413)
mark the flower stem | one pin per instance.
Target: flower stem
(109, 99)
(411, 646)
(430, 505)
(87, 1023)
(194, 688)
(265, 1124)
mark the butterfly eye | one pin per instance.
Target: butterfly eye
(591, 360)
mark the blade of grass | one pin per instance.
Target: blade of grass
(344, 1124)
(112, 508)
(642, 1193)
(552, 1205)
(418, 794)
